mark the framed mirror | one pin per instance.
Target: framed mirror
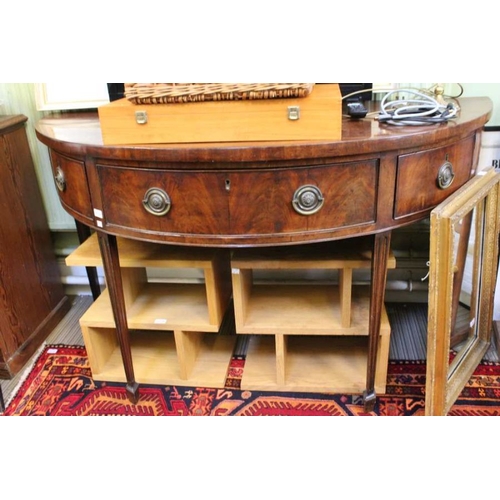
(463, 270)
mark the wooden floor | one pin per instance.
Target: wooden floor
(408, 336)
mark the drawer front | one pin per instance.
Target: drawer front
(427, 178)
(187, 203)
(303, 199)
(71, 183)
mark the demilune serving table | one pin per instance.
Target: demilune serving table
(231, 208)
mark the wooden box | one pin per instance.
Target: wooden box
(315, 117)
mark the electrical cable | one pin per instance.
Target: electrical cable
(429, 91)
(422, 109)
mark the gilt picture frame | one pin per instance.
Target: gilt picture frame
(450, 368)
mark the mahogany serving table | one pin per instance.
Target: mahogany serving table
(261, 194)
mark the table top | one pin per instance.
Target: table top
(80, 133)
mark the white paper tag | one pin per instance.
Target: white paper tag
(160, 321)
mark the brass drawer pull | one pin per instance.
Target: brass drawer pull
(445, 175)
(156, 201)
(60, 179)
(307, 200)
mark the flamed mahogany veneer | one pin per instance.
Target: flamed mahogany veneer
(261, 194)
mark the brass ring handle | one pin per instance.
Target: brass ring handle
(445, 175)
(307, 200)
(156, 201)
(60, 179)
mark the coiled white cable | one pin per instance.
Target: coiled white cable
(421, 109)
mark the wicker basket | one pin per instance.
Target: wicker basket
(163, 93)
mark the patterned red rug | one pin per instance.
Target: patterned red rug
(60, 383)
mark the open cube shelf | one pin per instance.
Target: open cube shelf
(307, 337)
(173, 326)
(136, 256)
(164, 358)
(298, 363)
(158, 306)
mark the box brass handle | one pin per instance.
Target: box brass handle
(60, 179)
(445, 175)
(307, 200)
(156, 201)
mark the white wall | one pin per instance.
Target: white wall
(491, 90)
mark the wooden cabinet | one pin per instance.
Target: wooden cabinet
(32, 299)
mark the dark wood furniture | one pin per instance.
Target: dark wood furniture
(32, 298)
(373, 180)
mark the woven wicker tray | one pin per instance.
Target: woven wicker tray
(164, 93)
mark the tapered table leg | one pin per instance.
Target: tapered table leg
(111, 264)
(381, 248)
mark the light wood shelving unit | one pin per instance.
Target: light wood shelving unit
(307, 337)
(173, 326)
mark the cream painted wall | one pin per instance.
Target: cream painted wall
(492, 90)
